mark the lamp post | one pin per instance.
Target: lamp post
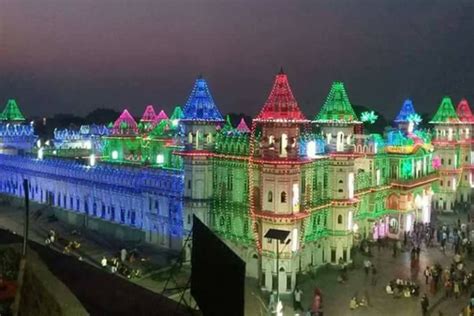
(280, 236)
(27, 216)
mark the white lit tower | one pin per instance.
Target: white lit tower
(465, 129)
(275, 178)
(338, 124)
(446, 157)
(200, 121)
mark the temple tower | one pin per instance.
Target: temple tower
(275, 179)
(200, 120)
(16, 135)
(447, 154)
(464, 195)
(338, 124)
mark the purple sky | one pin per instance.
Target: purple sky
(73, 56)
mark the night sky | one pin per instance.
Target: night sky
(73, 56)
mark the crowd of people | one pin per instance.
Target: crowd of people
(402, 288)
(118, 264)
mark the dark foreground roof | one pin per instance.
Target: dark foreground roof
(100, 292)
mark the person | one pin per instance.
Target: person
(123, 254)
(367, 265)
(52, 236)
(316, 306)
(456, 289)
(272, 302)
(353, 303)
(103, 262)
(114, 265)
(388, 289)
(2, 283)
(448, 286)
(363, 301)
(374, 275)
(394, 248)
(427, 274)
(425, 303)
(297, 296)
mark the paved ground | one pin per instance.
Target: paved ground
(93, 245)
(100, 292)
(335, 296)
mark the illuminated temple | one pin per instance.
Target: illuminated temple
(321, 178)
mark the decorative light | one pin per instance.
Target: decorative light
(92, 160)
(294, 239)
(160, 159)
(40, 153)
(436, 162)
(408, 223)
(355, 228)
(114, 155)
(311, 149)
(415, 118)
(350, 184)
(38, 143)
(369, 117)
(426, 209)
(87, 144)
(349, 220)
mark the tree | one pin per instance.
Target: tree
(379, 124)
(102, 116)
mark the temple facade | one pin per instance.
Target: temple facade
(324, 180)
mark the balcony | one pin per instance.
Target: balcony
(408, 184)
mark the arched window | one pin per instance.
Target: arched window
(190, 138)
(340, 142)
(271, 139)
(270, 196)
(198, 134)
(339, 219)
(283, 197)
(283, 144)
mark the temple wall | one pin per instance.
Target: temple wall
(103, 198)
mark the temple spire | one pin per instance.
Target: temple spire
(161, 116)
(200, 105)
(446, 113)
(125, 124)
(406, 110)
(243, 127)
(337, 107)
(149, 115)
(12, 112)
(463, 110)
(281, 104)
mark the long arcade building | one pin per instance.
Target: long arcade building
(325, 181)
